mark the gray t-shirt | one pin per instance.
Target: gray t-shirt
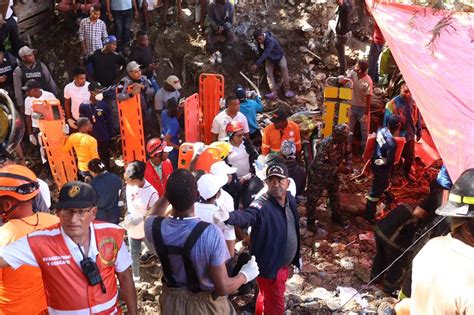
(361, 88)
(162, 96)
(291, 239)
(210, 248)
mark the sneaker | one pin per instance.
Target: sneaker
(136, 279)
(218, 57)
(271, 96)
(289, 94)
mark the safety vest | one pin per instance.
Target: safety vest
(67, 288)
(36, 72)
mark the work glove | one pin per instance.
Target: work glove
(33, 140)
(380, 161)
(250, 270)
(221, 103)
(198, 148)
(219, 217)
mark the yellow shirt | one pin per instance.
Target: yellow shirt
(21, 290)
(85, 147)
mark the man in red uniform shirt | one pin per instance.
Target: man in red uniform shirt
(158, 167)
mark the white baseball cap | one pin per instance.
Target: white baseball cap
(209, 185)
(174, 82)
(222, 167)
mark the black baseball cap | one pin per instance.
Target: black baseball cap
(277, 169)
(279, 115)
(95, 86)
(31, 84)
(76, 195)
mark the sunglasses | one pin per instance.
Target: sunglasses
(24, 189)
(79, 212)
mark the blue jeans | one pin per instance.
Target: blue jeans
(374, 53)
(136, 252)
(123, 24)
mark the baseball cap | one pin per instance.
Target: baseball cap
(222, 167)
(240, 92)
(110, 39)
(279, 115)
(209, 185)
(76, 195)
(174, 82)
(257, 33)
(95, 86)
(25, 51)
(132, 66)
(276, 169)
(31, 84)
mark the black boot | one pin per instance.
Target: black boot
(370, 210)
(338, 219)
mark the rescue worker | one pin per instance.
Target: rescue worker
(404, 106)
(193, 253)
(275, 237)
(28, 69)
(281, 129)
(242, 154)
(21, 290)
(382, 164)
(80, 259)
(393, 234)
(135, 83)
(250, 105)
(295, 171)
(443, 273)
(85, 146)
(323, 174)
(158, 167)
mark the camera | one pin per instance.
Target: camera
(91, 271)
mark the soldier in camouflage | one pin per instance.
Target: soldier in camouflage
(323, 174)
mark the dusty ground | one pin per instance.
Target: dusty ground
(343, 254)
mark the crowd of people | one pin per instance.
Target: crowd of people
(86, 257)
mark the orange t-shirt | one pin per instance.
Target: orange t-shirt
(21, 290)
(85, 147)
(273, 137)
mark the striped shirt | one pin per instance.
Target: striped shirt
(92, 34)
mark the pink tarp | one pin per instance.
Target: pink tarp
(441, 80)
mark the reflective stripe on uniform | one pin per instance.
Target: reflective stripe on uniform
(87, 311)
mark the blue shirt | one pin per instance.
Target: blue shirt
(209, 250)
(120, 5)
(107, 185)
(385, 147)
(170, 127)
(101, 118)
(443, 178)
(250, 108)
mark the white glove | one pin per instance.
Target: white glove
(222, 103)
(250, 270)
(66, 129)
(246, 177)
(381, 161)
(33, 140)
(198, 148)
(219, 217)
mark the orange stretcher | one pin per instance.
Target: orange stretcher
(211, 91)
(131, 128)
(370, 147)
(337, 102)
(51, 124)
(192, 119)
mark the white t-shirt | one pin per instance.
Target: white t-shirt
(78, 95)
(139, 200)
(44, 191)
(205, 211)
(225, 201)
(443, 278)
(222, 119)
(238, 157)
(19, 253)
(45, 95)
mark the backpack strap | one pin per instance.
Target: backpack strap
(162, 251)
(192, 278)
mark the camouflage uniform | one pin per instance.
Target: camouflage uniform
(323, 174)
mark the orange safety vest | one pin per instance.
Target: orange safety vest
(67, 289)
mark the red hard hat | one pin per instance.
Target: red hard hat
(155, 146)
(233, 127)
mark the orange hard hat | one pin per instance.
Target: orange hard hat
(155, 146)
(18, 182)
(233, 127)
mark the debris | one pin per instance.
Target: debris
(312, 53)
